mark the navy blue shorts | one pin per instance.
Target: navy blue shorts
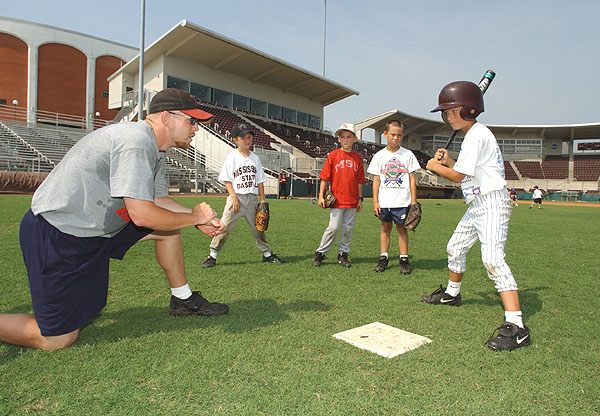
(68, 275)
(398, 215)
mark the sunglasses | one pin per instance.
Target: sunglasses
(193, 121)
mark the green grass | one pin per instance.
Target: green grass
(274, 352)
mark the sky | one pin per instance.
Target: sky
(397, 54)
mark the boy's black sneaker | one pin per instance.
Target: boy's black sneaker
(440, 297)
(209, 262)
(510, 337)
(272, 259)
(196, 305)
(404, 266)
(318, 259)
(382, 264)
(343, 260)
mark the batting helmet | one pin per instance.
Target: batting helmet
(461, 93)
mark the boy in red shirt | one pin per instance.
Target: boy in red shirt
(344, 170)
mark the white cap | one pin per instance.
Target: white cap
(345, 126)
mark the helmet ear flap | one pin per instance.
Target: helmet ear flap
(469, 113)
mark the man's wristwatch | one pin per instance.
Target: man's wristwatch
(361, 198)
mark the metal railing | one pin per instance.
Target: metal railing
(50, 118)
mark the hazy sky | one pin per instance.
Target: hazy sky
(398, 54)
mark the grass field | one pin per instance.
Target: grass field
(274, 353)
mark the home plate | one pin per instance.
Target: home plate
(382, 339)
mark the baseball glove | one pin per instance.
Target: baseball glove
(261, 219)
(329, 198)
(413, 218)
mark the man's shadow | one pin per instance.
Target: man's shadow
(130, 323)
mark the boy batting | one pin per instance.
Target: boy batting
(480, 170)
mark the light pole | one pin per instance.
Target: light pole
(15, 104)
(141, 78)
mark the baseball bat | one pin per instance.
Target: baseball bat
(483, 85)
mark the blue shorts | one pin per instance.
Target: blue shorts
(398, 215)
(68, 275)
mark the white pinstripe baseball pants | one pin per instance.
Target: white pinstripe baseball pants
(486, 220)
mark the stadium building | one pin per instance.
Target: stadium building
(66, 83)
(48, 71)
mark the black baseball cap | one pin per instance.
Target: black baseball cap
(173, 99)
(241, 130)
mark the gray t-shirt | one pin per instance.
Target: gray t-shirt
(83, 195)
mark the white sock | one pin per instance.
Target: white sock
(182, 292)
(384, 254)
(267, 254)
(453, 288)
(404, 256)
(514, 317)
(213, 253)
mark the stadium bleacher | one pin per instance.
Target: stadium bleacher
(306, 141)
(586, 167)
(556, 167)
(225, 121)
(529, 169)
(20, 153)
(509, 172)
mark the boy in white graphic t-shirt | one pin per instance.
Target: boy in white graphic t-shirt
(394, 190)
(243, 176)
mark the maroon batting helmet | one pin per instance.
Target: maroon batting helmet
(461, 93)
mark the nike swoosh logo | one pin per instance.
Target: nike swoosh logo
(520, 340)
(446, 300)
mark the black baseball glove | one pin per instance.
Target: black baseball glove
(413, 218)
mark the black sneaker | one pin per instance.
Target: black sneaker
(209, 262)
(343, 260)
(196, 305)
(404, 266)
(510, 336)
(440, 297)
(318, 259)
(382, 264)
(272, 259)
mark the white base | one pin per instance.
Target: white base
(382, 339)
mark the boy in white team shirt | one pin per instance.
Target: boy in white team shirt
(243, 176)
(480, 170)
(537, 197)
(394, 190)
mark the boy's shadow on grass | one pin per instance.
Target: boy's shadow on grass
(243, 316)
(528, 298)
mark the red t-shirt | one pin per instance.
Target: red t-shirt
(344, 171)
